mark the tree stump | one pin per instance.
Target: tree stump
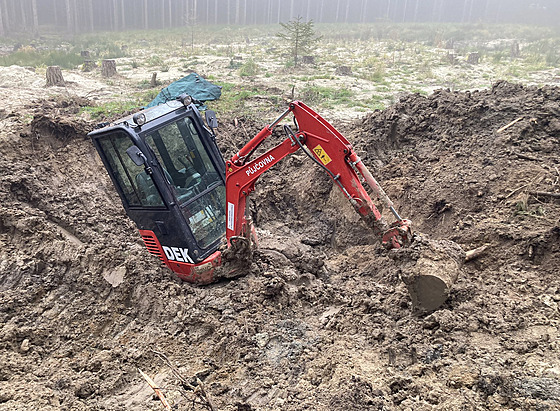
(308, 60)
(153, 81)
(473, 58)
(515, 50)
(54, 76)
(85, 54)
(89, 65)
(451, 58)
(343, 71)
(429, 268)
(108, 68)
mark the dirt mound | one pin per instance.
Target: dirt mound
(323, 321)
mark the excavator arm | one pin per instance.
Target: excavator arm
(328, 149)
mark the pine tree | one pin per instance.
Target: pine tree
(299, 36)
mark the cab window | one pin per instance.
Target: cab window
(136, 185)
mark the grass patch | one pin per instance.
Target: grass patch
(324, 76)
(234, 98)
(375, 74)
(33, 58)
(155, 60)
(543, 53)
(325, 96)
(249, 69)
(115, 109)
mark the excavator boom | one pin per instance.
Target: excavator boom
(331, 151)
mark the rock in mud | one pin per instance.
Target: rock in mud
(429, 268)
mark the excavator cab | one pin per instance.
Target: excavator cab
(170, 176)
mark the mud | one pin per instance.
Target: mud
(323, 320)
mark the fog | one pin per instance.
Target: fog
(76, 16)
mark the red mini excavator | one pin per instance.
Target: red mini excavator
(184, 198)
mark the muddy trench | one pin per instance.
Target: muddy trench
(323, 319)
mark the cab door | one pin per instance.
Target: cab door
(146, 197)
(195, 176)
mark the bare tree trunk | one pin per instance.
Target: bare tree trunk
(6, 16)
(23, 15)
(404, 11)
(145, 14)
(207, 11)
(388, 9)
(116, 19)
(228, 11)
(75, 16)
(292, 9)
(416, 11)
(35, 17)
(55, 12)
(123, 21)
(321, 11)
(237, 5)
(2, 12)
(347, 11)
(337, 11)
(308, 9)
(69, 18)
(499, 12)
(162, 9)
(486, 11)
(11, 15)
(90, 14)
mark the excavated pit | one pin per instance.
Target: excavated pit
(323, 320)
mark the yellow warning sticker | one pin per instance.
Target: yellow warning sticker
(322, 154)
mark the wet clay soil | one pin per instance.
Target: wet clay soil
(323, 319)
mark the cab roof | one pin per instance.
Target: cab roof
(151, 114)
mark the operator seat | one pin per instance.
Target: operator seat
(150, 193)
(192, 175)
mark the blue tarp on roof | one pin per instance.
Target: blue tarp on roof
(194, 85)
